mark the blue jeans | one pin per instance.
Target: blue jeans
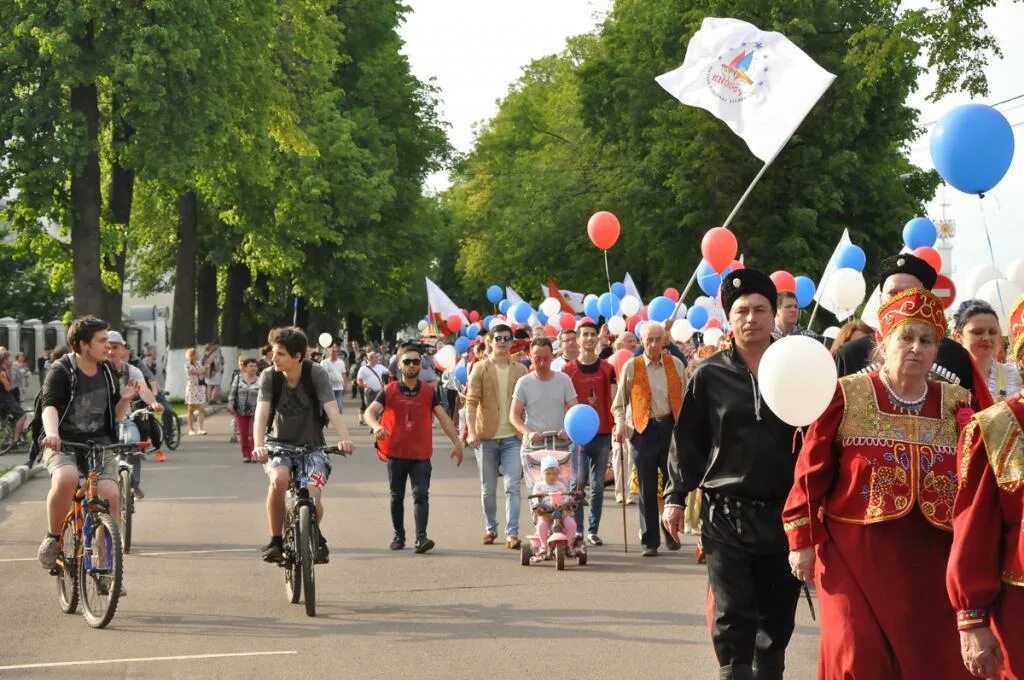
(339, 396)
(591, 462)
(491, 454)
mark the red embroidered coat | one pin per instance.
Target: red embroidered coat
(863, 463)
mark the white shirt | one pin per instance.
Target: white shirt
(373, 376)
(336, 372)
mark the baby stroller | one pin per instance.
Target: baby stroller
(560, 505)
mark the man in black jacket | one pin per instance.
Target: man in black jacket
(731, 445)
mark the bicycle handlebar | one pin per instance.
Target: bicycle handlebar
(281, 449)
(91, 447)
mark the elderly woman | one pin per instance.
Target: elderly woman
(985, 577)
(976, 327)
(869, 514)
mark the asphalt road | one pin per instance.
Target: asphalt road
(202, 605)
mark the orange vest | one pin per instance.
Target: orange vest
(640, 394)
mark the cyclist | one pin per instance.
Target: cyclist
(81, 402)
(126, 374)
(293, 390)
(10, 401)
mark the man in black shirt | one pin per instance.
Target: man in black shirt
(731, 445)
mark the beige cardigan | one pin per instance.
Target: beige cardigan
(482, 394)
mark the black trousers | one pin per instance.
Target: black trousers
(418, 473)
(754, 594)
(650, 454)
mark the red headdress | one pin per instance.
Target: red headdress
(914, 304)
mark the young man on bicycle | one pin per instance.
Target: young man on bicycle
(126, 374)
(297, 421)
(82, 401)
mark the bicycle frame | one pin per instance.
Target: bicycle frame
(85, 501)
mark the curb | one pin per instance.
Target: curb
(16, 477)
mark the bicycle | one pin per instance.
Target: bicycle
(8, 442)
(301, 535)
(171, 427)
(126, 489)
(90, 566)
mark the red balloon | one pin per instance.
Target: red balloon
(719, 248)
(474, 316)
(672, 294)
(643, 313)
(603, 229)
(586, 319)
(931, 256)
(454, 323)
(550, 331)
(736, 265)
(631, 323)
(619, 358)
(712, 323)
(566, 321)
(784, 282)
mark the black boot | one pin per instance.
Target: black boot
(769, 665)
(736, 672)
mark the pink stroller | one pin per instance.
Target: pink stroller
(561, 506)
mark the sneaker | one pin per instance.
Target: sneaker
(49, 549)
(397, 543)
(273, 551)
(424, 546)
(650, 552)
(103, 587)
(160, 457)
(671, 543)
(594, 539)
(139, 495)
(323, 555)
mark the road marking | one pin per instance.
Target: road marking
(98, 662)
(149, 554)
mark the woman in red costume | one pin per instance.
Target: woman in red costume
(985, 577)
(869, 515)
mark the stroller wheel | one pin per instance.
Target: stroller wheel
(525, 554)
(581, 558)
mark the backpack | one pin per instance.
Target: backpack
(306, 381)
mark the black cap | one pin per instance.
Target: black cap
(744, 282)
(905, 263)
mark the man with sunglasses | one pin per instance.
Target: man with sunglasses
(489, 431)
(402, 417)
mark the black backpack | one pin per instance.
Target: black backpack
(306, 381)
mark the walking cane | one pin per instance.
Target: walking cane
(625, 493)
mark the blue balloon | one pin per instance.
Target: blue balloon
(503, 306)
(520, 312)
(805, 289)
(619, 289)
(582, 423)
(852, 257)
(697, 316)
(494, 294)
(660, 308)
(608, 305)
(972, 147)
(541, 316)
(461, 344)
(487, 322)
(473, 330)
(708, 279)
(461, 374)
(919, 232)
(591, 308)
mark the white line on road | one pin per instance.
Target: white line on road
(97, 662)
(148, 554)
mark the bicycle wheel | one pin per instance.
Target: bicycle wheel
(307, 551)
(292, 571)
(101, 570)
(172, 433)
(67, 575)
(7, 440)
(127, 504)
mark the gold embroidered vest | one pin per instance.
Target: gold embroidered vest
(1004, 444)
(891, 462)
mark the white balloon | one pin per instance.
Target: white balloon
(712, 336)
(977, 278)
(847, 288)
(706, 302)
(422, 325)
(446, 357)
(630, 305)
(325, 340)
(616, 325)
(1001, 294)
(682, 330)
(681, 310)
(797, 377)
(550, 307)
(831, 332)
(1015, 272)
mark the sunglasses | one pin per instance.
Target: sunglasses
(410, 362)
(502, 338)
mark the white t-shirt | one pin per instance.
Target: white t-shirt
(373, 376)
(336, 372)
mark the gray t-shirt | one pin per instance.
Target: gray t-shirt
(87, 416)
(295, 421)
(545, 400)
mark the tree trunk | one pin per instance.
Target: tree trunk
(206, 298)
(183, 314)
(234, 302)
(119, 200)
(354, 327)
(86, 202)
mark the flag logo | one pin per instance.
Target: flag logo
(738, 74)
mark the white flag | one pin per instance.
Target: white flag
(441, 305)
(758, 82)
(833, 263)
(631, 288)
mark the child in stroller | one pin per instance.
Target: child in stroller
(548, 477)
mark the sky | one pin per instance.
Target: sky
(476, 48)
